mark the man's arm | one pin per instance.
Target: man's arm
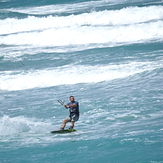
(67, 106)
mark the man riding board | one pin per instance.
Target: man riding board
(73, 107)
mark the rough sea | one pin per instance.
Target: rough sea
(106, 53)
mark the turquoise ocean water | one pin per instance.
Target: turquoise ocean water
(108, 54)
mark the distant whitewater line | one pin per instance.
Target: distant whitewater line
(66, 8)
(88, 35)
(15, 80)
(125, 16)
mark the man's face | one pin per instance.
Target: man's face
(71, 99)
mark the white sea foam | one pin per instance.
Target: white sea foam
(72, 8)
(65, 8)
(15, 80)
(25, 131)
(88, 35)
(107, 28)
(20, 124)
(130, 15)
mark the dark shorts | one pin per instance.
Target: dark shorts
(73, 118)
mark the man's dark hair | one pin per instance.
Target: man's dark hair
(71, 96)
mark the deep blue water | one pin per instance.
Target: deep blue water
(108, 54)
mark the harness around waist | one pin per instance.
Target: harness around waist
(74, 113)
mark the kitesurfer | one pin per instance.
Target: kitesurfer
(73, 107)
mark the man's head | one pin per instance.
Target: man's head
(72, 99)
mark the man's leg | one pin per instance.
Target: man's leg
(73, 120)
(64, 123)
(72, 124)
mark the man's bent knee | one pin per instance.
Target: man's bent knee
(65, 120)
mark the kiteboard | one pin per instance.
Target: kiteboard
(63, 131)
